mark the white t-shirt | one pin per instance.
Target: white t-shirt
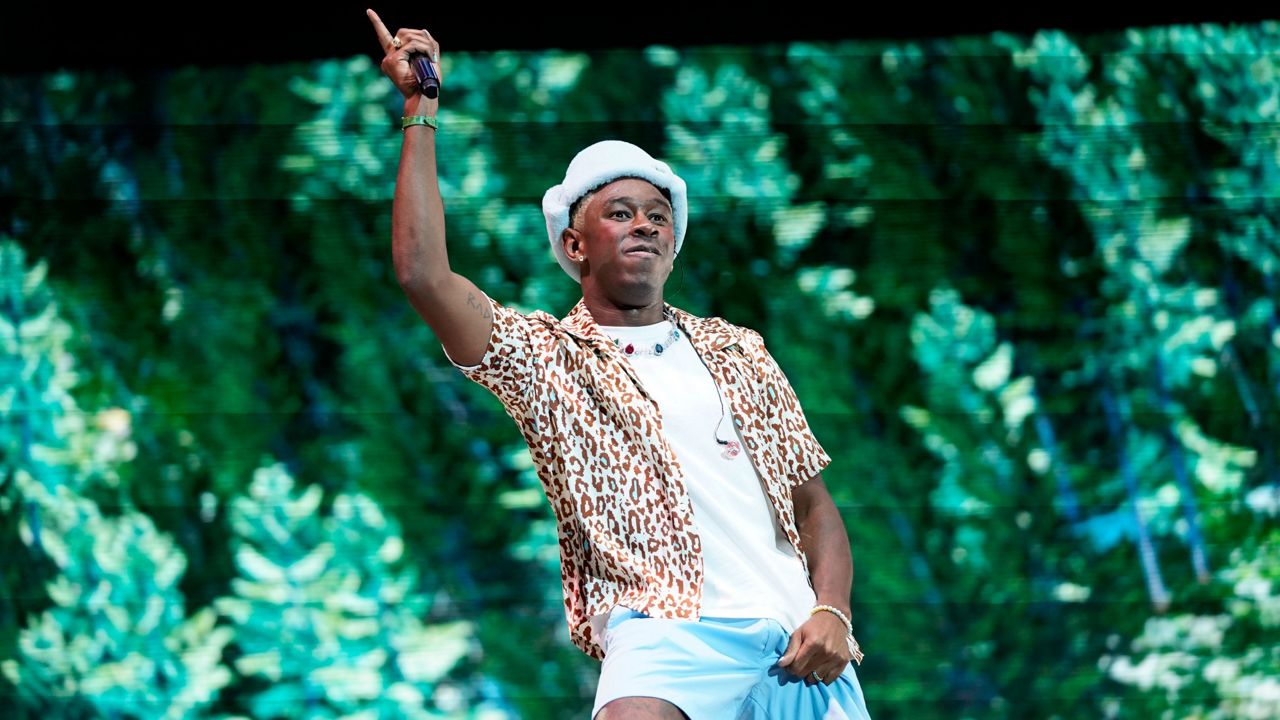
(749, 567)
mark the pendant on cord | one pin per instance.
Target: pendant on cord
(731, 450)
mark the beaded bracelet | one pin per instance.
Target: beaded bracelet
(854, 648)
(430, 120)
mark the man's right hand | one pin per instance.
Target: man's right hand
(395, 64)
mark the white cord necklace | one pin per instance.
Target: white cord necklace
(732, 448)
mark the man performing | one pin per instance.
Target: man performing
(702, 557)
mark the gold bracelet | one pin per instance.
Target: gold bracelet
(408, 120)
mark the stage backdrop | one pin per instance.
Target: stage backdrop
(1024, 284)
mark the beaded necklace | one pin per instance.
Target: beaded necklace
(630, 349)
(663, 345)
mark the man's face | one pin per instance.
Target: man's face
(627, 238)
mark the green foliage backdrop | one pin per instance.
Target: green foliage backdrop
(1025, 285)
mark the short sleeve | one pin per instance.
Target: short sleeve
(802, 456)
(506, 369)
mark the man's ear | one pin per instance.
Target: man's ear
(572, 240)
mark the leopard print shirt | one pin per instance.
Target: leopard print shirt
(625, 526)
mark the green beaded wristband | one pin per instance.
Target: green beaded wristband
(408, 120)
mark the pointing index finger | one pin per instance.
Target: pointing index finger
(384, 35)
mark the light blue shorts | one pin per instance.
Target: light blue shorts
(717, 669)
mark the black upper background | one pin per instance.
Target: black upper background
(40, 37)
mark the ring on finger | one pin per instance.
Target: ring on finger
(395, 43)
(816, 676)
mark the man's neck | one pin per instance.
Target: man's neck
(614, 314)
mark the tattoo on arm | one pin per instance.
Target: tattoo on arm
(481, 307)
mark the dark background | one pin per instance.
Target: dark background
(38, 37)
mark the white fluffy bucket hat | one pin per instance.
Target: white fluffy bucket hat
(597, 165)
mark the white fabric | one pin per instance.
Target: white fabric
(596, 165)
(750, 569)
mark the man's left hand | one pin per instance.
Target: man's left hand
(819, 649)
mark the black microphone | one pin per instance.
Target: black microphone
(428, 81)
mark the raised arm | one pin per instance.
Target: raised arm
(452, 305)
